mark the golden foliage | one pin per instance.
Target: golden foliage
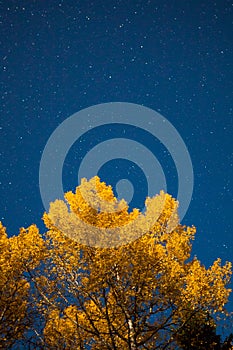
(18, 255)
(105, 278)
(131, 291)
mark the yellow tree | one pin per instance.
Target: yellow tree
(18, 255)
(119, 280)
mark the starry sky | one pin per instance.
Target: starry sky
(58, 57)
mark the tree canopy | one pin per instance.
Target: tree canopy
(102, 277)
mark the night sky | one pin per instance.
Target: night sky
(59, 57)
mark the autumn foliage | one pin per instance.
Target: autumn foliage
(103, 278)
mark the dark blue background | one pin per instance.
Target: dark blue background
(58, 57)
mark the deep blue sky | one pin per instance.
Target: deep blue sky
(58, 57)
